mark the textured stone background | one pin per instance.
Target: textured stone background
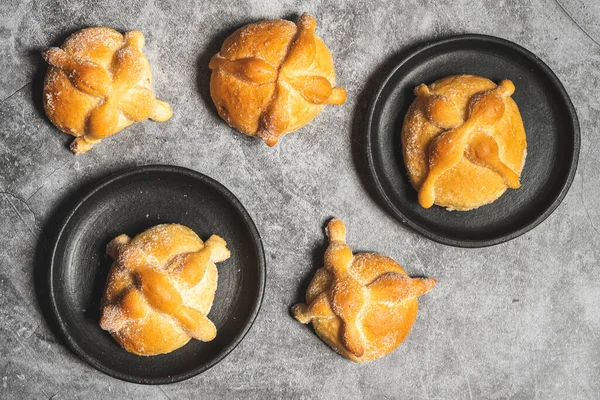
(519, 320)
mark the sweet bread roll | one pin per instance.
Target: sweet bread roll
(160, 289)
(362, 305)
(273, 77)
(99, 82)
(463, 142)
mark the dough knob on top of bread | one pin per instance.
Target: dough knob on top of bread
(99, 82)
(362, 305)
(463, 142)
(273, 77)
(160, 289)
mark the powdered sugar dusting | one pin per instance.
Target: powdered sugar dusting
(145, 252)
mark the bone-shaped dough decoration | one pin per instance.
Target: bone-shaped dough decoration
(468, 138)
(159, 288)
(300, 71)
(358, 283)
(121, 89)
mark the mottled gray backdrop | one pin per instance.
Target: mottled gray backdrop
(518, 320)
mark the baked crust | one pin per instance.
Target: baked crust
(363, 305)
(98, 83)
(273, 77)
(463, 142)
(160, 289)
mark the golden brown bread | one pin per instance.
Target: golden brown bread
(160, 289)
(463, 142)
(362, 305)
(273, 77)
(99, 82)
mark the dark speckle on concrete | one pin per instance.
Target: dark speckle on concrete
(519, 320)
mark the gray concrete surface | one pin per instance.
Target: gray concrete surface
(519, 320)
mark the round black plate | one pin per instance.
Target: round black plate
(550, 123)
(131, 202)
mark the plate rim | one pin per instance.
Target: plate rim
(59, 237)
(463, 243)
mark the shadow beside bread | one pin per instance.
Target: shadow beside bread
(317, 262)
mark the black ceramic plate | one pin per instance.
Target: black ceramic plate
(550, 123)
(131, 202)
